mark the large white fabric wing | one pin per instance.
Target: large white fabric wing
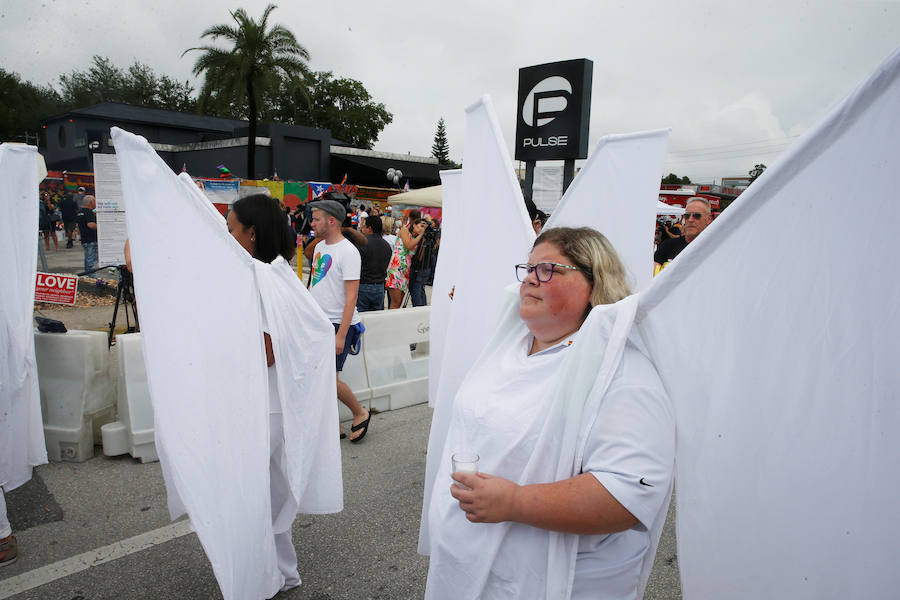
(21, 428)
(453, 224)
(487, 251)
(616, 193)
(776, 334)
(303, 344)
(201, 330)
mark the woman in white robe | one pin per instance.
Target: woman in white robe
(258, 225)
(575, 435)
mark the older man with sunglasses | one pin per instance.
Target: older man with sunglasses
(696, 217)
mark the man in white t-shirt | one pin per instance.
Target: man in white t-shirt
(334, 284)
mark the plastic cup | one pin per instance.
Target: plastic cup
(464, 462)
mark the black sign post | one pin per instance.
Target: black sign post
(554, 114)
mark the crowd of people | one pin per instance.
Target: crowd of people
(75, 216)
(398, 255)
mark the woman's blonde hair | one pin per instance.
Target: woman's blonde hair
(591, 252)
(387, 225)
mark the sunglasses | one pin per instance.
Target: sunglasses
(688, 216)
(543, 271)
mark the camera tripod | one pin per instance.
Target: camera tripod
(124, 296)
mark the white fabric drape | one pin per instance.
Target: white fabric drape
(616, 193)
(203, 347)
(498, 239)
(587, 371)
(454, 220)
(21, 428)
(303, 344)
(775, 334)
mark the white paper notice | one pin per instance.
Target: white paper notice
(111, 234)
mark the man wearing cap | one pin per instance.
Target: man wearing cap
(696, 217)
(334, 284)
(78, 197)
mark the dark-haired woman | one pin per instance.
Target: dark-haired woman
(304, 463)
(397, 281)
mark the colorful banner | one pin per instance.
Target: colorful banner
(275, 188)
(73, 180)
(221, 192)
(317, 188)
(53, 185)
(295, 193)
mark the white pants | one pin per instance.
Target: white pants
(5, 529)
(284, 508)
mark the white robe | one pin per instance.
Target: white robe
(542, 445)
(200, 298)
(22, 444)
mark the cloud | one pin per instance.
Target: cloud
(727, 138)
(718, 73)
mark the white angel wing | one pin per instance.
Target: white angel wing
(21, 427)
(200, 319)
(775, 334)
(453, 224)
(621, 180)
(616, 193)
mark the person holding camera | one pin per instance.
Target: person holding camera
(397, 281)
(422, 264)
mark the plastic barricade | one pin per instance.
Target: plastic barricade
(133, 432)
(397, 372)
(77, 394)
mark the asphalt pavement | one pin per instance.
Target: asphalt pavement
(100, 530)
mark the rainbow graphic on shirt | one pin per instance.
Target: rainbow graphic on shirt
(321, 264)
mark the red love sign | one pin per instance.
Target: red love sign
(58, 288)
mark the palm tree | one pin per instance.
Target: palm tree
(257, 64)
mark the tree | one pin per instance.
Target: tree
(260, 60)
(673, 179)
(22, 106)
(342, 105)
(440, 149)
(756, 171)
(102, 82)
(139, 85)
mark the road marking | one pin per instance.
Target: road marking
(81, 562)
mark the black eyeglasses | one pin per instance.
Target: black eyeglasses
(543, 271)
(697, 216)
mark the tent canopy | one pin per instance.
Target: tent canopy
(426, 197)
(667, 209)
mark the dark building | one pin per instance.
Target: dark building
(369, 167)
(202, 143)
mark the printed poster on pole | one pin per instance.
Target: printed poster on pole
(111, 233)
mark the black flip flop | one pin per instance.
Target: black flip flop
(364, 426)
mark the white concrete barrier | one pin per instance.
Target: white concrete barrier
(385, 375)
(77, 394)
(397, 375)
(133, 432)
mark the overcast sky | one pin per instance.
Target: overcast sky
(736, 81)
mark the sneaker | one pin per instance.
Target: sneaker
(9, 551)
(69, 244)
